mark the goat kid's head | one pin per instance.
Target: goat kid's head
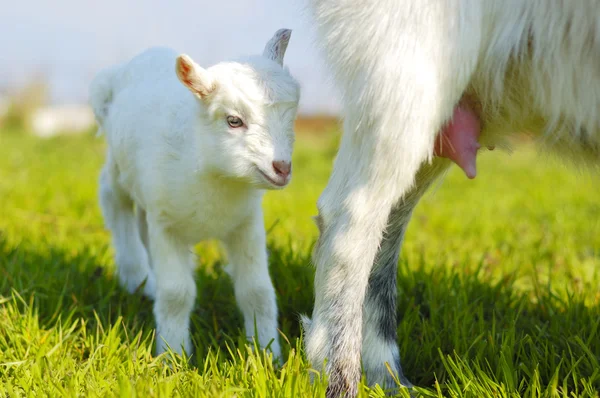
(250, 106)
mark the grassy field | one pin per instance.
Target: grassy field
(499, 285)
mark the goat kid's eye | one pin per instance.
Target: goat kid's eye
(234, 122)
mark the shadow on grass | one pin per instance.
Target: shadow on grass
(65, 285)
(455, 326)
(458, 325)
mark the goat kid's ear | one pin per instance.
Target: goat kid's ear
(275, 48)
(194, 77)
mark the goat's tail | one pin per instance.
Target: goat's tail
(102, 90)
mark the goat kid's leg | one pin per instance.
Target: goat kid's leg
(173, 263)
(142, 223)
(254, 291)
(380, 311)
(118, 212)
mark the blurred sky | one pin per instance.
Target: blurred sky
(68, 41)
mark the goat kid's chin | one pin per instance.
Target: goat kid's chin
(272, 180)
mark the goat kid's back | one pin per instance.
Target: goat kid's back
(142, 96)
(147, 74)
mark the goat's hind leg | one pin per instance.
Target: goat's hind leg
(354, 213)
(130, 255)
(142, 222)
(393, 112)
(380, 310)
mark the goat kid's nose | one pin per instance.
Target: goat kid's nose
(282, 168)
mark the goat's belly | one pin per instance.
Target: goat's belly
(567, 125)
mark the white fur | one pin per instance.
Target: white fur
(530, 65)
(191, 176)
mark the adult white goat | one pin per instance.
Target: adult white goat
(403, 66)
(194, 156)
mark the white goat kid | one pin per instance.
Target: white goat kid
(403, 66)
(194, 156)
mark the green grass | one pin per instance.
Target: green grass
(499, 285)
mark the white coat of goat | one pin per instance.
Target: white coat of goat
(189, 159)
(403, 66)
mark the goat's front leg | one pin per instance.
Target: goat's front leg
(380, 312)
(173, 263)
(254, 292)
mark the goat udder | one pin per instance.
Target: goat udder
(458, 140)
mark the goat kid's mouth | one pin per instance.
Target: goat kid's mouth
(275, 181)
